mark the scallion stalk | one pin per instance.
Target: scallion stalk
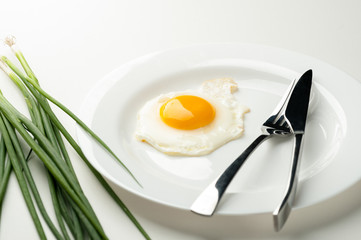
(5, 170)
(69, 214)
(29, 178)
(36, 118)
(58, 171)
(21, 179)
(56, 204)
(2, 157)
(4, 183)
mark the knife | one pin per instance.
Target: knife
(296, 116)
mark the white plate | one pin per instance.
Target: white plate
(330, 161)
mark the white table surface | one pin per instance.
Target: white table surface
(72, 44)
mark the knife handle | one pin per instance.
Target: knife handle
(208, 200)
(280, 215)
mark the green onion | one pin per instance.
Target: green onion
(5, 170)
(2, 157)
(29, 178)
(21, 179)
(4, 183)
(43, 133)
(56, 204)
(34, 83)
(50, 158)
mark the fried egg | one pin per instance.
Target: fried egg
(192, 122)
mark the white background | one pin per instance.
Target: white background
(72, 44)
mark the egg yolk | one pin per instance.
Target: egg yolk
(187, 112)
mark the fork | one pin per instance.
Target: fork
(275, 125)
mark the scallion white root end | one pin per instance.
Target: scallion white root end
(10, 40)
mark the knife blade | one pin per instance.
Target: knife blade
(297, 107)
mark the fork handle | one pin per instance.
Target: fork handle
(208, 200)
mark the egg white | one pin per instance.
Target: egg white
(226, 126)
